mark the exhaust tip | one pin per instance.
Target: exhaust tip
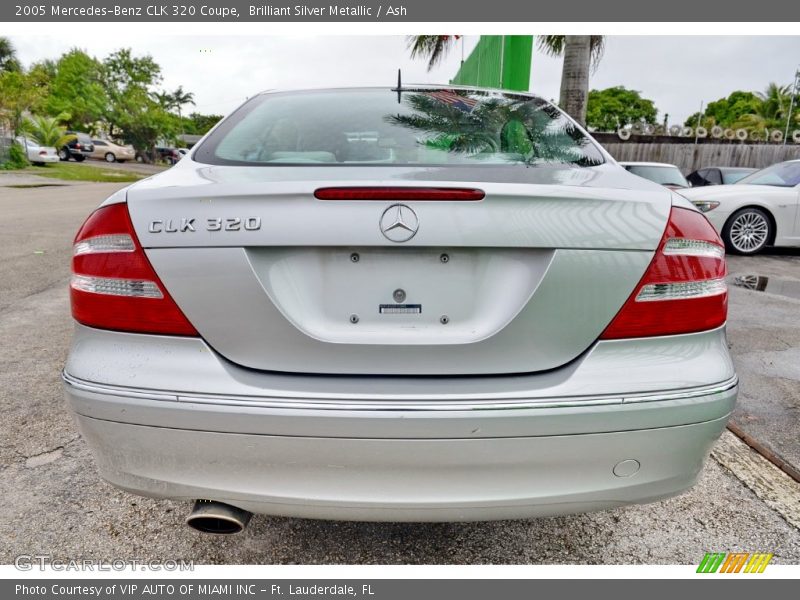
(209, 516)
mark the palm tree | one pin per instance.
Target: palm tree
(176, 100)
(775, 100)
(47, 131)
(180, 98)
(8, 56)
(770, 113)
(581, 53)
(433, 48)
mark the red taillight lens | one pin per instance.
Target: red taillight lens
(398, 193)
(113, 284)
(42, 153)
(683, 290)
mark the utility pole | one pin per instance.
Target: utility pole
(699, 120)
(795, 89)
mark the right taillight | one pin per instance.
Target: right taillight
(113, 284)
(683, 290)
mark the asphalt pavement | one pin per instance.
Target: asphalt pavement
(54, 502)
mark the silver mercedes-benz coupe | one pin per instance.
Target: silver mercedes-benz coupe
(411, 304)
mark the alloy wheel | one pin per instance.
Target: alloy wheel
(749, 232)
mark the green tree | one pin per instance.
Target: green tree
(8, 56)
(17, 95)
(197, 124)
(77, 89)
(757, 112)
(134, 112)
(727, 111)
(616, 107)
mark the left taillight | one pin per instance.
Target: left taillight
(113, 284)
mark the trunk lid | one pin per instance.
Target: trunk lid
(274, 279)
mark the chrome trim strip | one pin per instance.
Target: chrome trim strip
(396, 405)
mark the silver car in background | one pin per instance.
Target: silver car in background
(422, 304)
(36, 153)
(665, 174)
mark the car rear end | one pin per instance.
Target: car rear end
(667, 175)
(46, 154)
(418, 305)
(80, 147)
(39, 154)
(127, 152)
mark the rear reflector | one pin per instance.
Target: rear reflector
(113, 285)
(683, 290)
(398, 193)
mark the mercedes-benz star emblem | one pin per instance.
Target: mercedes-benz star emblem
(399, 223)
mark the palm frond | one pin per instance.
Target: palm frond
(553, 45)
(433, 48)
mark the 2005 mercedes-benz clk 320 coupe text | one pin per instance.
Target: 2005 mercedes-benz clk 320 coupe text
(407, 305)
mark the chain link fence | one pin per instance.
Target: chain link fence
(6, 141)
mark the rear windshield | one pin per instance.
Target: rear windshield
(662, 175)
(786, 174)
(382, 127)
(734, 175)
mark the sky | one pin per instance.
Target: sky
(676, 72)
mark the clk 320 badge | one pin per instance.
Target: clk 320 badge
(185, 224)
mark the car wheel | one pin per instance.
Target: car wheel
(110, 158)
(139, 158)
(748, 231)
(63, 154)
(80, 157)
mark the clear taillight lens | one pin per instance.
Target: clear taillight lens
(683, 290)
(113, 285)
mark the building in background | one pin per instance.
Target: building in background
(498, 61)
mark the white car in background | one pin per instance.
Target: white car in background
(759, 210)
(36, 153)
(664, 174)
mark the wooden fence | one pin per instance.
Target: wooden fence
(689, 156)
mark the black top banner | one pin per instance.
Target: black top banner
(453, 11)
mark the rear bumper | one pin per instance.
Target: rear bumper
(398, 449)
(50, 158)
(403, 479)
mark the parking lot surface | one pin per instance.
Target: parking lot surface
(764, 334)
(54, 502)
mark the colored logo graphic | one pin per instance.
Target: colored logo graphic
(734, 562)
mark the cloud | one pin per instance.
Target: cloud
(677, 72)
